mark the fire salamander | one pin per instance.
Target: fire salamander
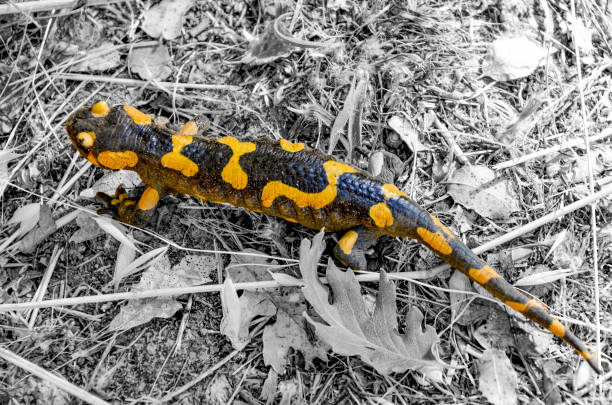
(284, 179)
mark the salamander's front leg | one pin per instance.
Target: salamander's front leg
(135, 211)
(351, 248)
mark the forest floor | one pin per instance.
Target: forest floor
(495, 116)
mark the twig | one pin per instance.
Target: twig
(574, 143)
(139, 83)
(56, 380)
(45, 5)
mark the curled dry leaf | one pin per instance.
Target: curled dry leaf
(108, 183)
(476, 187)
(407, 132)
(497, 380)
(511, 58)
(350, 331)
(275, 43)
(166, 18)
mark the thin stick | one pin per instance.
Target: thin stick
(140, 83)
(45, 5)
(574, 143)
(54, 379)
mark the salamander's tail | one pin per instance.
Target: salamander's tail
(432, 233)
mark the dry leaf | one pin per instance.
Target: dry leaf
(159, 275)
(497, 380)
(45, 227)
(108, 183)
(269, 387)
(88, 228)
(459, 301)
(130, 267)
(513, 58)
(151, 62)
(114, 229)
(166, 18)
(476, 187)
(544, 277)
(407, 132)
(288, 332)
(351, 112)
(350, 331)
(238, 312)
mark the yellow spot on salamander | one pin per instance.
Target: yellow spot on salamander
(232, 172)
(92, 158)
(481, 276)
(391, 191)
(381, 214)
(291, 147)
(190, 129)
(287, 219)
(347, 242)
(100, 109)
(148, 199)
(557, 328)
(117, 160)
(446, 231)
(435, 240)
(333, 170)
(523, 308)
(137, 116)
(86, 139)
(177, 161)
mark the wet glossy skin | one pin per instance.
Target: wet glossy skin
(284, 179)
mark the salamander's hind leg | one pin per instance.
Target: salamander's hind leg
(135, 211)
(351, 248)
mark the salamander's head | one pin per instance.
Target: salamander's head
(82, 127)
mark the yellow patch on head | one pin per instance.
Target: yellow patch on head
(232, 172)
(92, 158)
(347, 242)
(137, 116)
(333, 170)
(435, 240)
(117, 160)
(190, 128)
(100, 109)
(176, 160)
(391, 191)
(148, 199)
(86, 139)
(557, 328)
(291, 147)
(381, 214)
(481, 276)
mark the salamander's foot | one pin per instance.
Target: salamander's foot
(351, 248)
(135, 211)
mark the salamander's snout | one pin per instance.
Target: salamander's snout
(82, 127)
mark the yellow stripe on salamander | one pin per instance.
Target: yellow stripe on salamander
(175, 159)
(232, 172)
(137, 116)
(333, 170)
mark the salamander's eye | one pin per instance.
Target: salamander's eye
(100, 109)
(86, 139)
